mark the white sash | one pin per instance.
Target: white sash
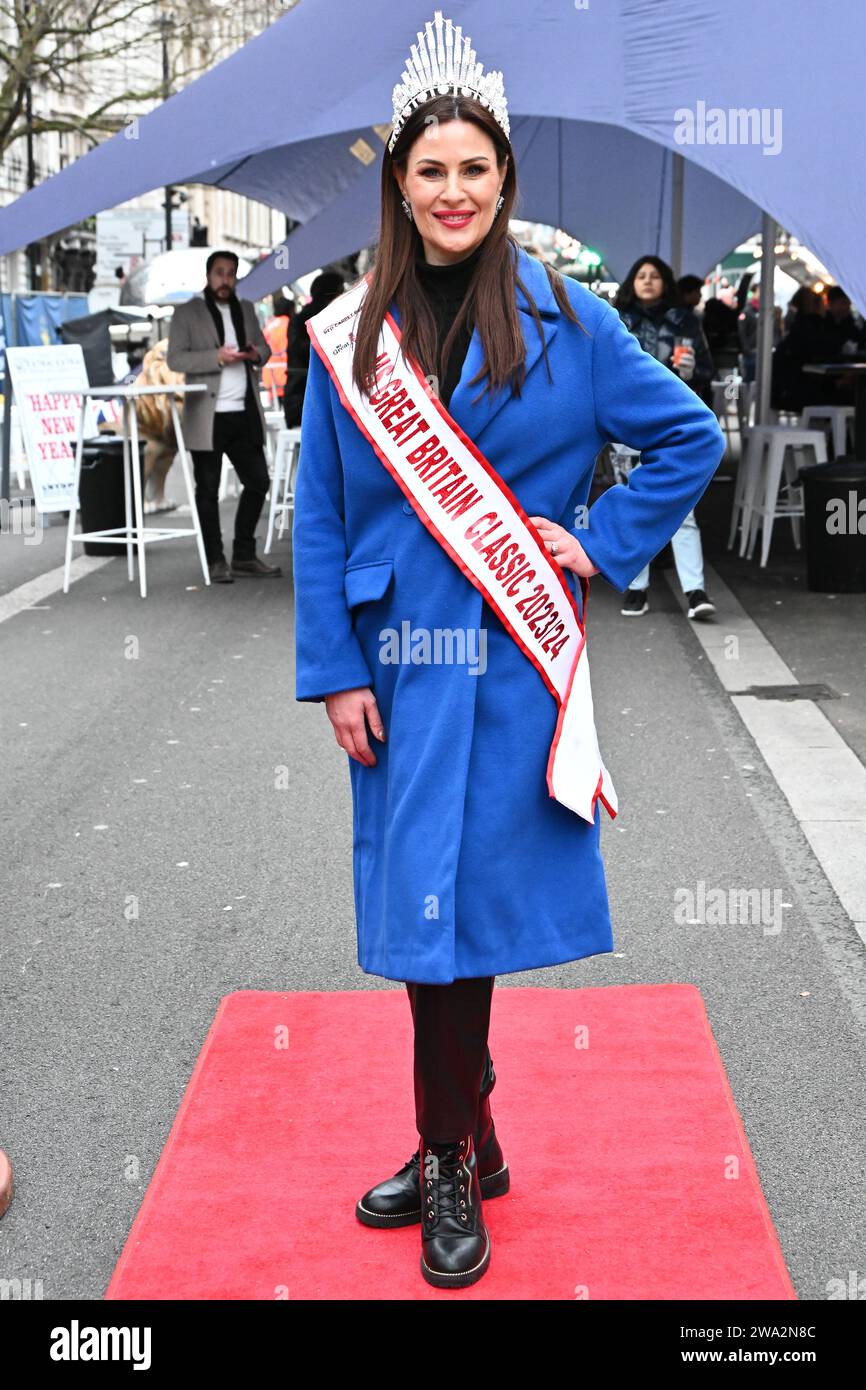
(480, 524)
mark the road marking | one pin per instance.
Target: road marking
(29, 595)
(821, 778)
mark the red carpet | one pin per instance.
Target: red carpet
(631, 1176)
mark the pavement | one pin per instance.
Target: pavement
(156, 858)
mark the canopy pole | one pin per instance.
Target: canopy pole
(764, 370)
(677, 172)
(166, 23)
(6, 444)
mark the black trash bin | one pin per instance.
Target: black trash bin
(834, 501)
(100, 491)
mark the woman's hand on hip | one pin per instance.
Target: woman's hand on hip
(347, 710)
(570, 554)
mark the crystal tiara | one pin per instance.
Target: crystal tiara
(442, 64)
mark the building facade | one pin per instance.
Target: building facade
(150, 55)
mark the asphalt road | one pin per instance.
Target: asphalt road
(152, 864)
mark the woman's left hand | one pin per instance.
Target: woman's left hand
(685, 367)
(569, 554)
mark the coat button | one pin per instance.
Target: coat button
(408, 508)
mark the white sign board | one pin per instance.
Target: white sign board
(46, 383)
(127, 237)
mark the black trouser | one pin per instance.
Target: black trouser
(238, 434)
(451, 1055)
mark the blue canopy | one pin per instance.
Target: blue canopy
(599, 97)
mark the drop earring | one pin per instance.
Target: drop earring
(498, 207)
(407, 210)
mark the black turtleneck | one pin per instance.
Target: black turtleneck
(445, 287)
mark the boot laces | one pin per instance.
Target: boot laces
(447, 1195)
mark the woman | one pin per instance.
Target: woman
(649, 306)
(466, 851)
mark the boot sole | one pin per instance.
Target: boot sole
(494, 1185)
(464, 1278)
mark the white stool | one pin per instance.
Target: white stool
(285, 467)
(837, 420)
(772, 451)
(726, 394)
(746, 402)
(746, 407)
(749, 443)
(275, 421)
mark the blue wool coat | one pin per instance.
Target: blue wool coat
(463, 863)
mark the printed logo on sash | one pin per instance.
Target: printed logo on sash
(481, 526)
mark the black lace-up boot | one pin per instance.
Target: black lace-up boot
(455, 1242)
(395, 1201)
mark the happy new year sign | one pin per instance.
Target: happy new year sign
(47, 383)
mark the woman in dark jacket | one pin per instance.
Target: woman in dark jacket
(650, 308)
(324, 288)
(808, 338)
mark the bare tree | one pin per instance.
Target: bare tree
(95, 63)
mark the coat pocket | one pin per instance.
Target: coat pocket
(366, 582)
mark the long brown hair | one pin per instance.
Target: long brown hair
(626, 297)
(491, 295)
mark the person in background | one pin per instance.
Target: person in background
(275, 327)
(747, 326)
(712, 315)
(284, 307)
(649, 306)
(808, 338)
(719, 322)
(216, 338)
(324, 288)
(847, 333)
(802, 301)
(689, 289)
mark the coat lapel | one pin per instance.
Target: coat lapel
(205, 318)
(474, 419)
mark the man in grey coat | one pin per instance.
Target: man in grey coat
(217, 339)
